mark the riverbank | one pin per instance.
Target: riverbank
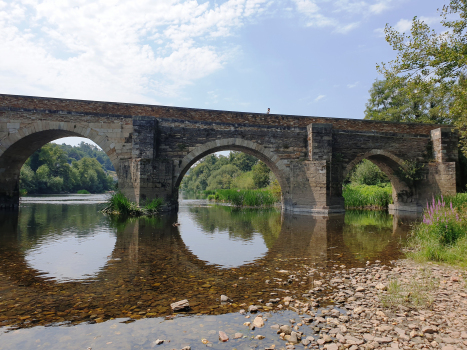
(402, 306)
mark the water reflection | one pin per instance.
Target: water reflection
(227, 236)
(147, 263)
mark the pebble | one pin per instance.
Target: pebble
(225, 298)
(223, 337)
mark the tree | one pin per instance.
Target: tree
(367, 173)
(261, 175)
(429, 61)
(391, 101)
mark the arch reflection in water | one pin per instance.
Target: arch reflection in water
(65, 242)
(151, 266)
(227, 236)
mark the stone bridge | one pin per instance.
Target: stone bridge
(152, 147)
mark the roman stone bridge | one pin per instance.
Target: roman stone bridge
(152, 147)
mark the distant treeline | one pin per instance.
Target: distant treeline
(64, 168)
(237, 171)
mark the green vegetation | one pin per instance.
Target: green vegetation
(83, 192)
(119, 205)
(442, 236)
(62, 168)
(249, 198)
(427, 82)
(367, 197)
(237, 171)
(239, 179)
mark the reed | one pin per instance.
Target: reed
(367, 197)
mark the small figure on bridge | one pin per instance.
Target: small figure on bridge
(269, 110)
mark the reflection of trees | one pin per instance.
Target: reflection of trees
(36, 222)
(239, 223)
(367, 233)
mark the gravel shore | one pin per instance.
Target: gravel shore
(401, 306)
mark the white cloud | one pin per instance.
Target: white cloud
(354, 85)
(403, 26)
(320, 97)
(115, 50)
(325, 15)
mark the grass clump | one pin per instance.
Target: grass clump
(249, 198)
(414, 293)
(83, 192)
(120, 205)
(442, 235)
(367, 197)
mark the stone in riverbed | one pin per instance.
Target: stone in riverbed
(157, 342)
(225, 298)
(258, 321)
(429, 329)
(259, 337)
(381, 286)
(180, 305)
(252, 308)
(186, 348)
(238, 335)
(294, 337)
(223, 337)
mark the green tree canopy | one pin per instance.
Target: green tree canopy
(430, 67)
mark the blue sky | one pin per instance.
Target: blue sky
(303, 57)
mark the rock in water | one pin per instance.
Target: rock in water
(253, 308)
(224, 298)
(223, 337)
(180, 305)
(258, 321)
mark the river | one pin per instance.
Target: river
(73, 278)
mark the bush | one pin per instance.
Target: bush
(363, 196)
(442, 236)
(118, 204)
(83, 192)
(367, 173)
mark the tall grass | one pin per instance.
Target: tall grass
(249, 198)
(120, 205)
(442, 235)
(367, 197)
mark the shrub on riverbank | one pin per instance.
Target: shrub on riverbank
(249, 198)
(83, 192)
(442, 236)
(118, 204)
(367, 197)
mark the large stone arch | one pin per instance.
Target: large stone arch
(390, 164)
(275, 163)
(18, 146)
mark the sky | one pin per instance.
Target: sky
(296, 57)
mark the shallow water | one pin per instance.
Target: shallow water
(69, 276)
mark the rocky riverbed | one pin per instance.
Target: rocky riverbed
(400, 306)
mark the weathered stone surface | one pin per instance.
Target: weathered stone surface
(180, 305)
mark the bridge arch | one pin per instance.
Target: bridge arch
(18, 146)
(389, 164)
(275, 163)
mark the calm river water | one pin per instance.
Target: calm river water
(72, 278)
